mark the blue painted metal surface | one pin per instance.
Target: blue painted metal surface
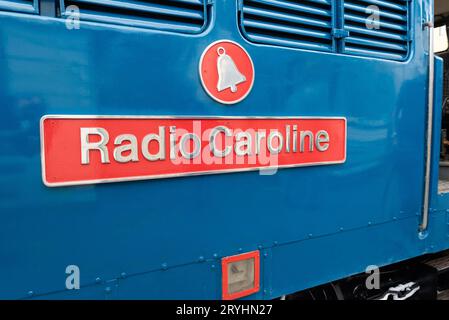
(145, 239)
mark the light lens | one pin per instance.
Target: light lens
(240, 275)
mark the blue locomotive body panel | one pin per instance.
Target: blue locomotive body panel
(165, 238)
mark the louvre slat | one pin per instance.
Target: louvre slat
(401, 6)
(196, 2)
(324, 2)
(26, 6)
(288, 43)
(291, 30)
(293, 6)
(371, 53)
(186, 16)
(376, 33)
(286, 17)
(377, 44)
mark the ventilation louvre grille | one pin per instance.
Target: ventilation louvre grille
(388, 38)
(342, 26)
(301, 24)
(186, 16)
(28, 6)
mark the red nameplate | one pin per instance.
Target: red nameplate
(97, 149)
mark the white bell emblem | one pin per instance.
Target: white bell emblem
(228, 74)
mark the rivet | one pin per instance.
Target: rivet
(164, 266)
(265, 255)
(275, 243)
(98, 280)
(201, 259)
(30, 293)
(341, 229)
(215, 255)
(108, 289)
(240, 250)
(213, 266)
(123, 275)
(310, 235)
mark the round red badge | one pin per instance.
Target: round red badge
(226, 71)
